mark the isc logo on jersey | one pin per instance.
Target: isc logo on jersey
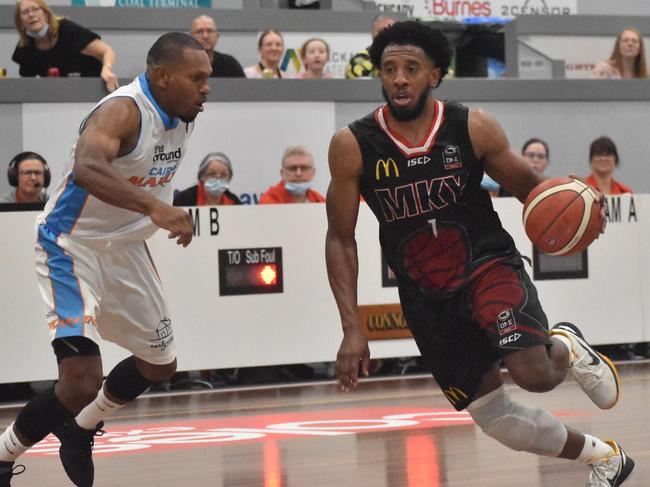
(418, 161)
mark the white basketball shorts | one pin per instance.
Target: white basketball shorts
(111, 293)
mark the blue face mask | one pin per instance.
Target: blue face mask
(297, 189)
(489, 184)
(216, 187)
(40, 34)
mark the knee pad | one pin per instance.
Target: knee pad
(125, 381)
(517, 426)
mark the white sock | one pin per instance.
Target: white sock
(97, 410)
(594, 450)
(10, 447)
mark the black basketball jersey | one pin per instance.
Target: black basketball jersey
(437, 226)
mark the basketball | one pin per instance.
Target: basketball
(562, 216)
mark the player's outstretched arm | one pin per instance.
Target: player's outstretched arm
(110, 132)
(501, 163)
(341, 254)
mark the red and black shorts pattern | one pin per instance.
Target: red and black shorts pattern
(461, 334)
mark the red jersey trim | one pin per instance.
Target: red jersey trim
(402, 144)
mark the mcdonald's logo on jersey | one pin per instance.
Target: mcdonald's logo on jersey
(389, 167)
(454, 395)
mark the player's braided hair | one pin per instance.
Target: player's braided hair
(414, 33)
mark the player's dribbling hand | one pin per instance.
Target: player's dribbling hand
(176, 220)
(602, 201)
(353, 354)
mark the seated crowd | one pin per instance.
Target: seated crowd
(52, 46)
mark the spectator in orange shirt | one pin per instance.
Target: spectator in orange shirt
(603, 158)
(297, 173)
(215, 173)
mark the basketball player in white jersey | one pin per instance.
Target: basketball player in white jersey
(94, 270)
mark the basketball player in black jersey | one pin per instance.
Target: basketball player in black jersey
(418, 163)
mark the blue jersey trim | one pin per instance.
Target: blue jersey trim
(69, 305)
(169, 123)
(67, 208)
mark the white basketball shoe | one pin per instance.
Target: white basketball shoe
(611, 470)
(595, 373)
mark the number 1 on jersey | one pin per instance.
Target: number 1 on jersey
(434, 228)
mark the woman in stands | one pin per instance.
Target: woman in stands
(627, 60)
(54, 46)
(213, 188)
(603, 159)
(271, 48)
(315, 54)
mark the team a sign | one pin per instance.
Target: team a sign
(461, 9)
(144, 3)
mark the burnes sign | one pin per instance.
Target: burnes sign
(461, 9)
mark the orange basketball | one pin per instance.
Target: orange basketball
(562, 216)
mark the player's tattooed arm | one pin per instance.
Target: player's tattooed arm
(501, 163)
(342, 204)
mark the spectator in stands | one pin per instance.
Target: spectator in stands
(360, 66)
(213, 188)
(535, 152)
(627, 60)
(603, 159)
(204, 30)
(271, 47)
(55, 46)
(29, 174)
(315, 54)
(297, 173)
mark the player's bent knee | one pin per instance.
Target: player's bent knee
(77, 392)
(517, 426)
(532, 378)
(157, 372)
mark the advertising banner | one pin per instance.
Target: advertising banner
(477, 9)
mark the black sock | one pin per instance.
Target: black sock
(40, 416)
(125, 381)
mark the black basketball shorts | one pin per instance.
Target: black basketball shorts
(462, 334)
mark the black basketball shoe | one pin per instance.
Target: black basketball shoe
(8, 470)
(76, 451)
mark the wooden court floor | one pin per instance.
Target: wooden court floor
(388, 433)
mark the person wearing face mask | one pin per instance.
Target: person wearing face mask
(297, 174)
(54, 46)
(29, 175)
(213, 188)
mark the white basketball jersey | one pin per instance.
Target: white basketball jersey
(151, 166)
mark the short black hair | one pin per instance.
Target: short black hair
(603, 145)
(169, 48)
(414, 33)
(535, 140)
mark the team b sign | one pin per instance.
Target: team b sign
(462, 9)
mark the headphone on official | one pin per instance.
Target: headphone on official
(12, 170)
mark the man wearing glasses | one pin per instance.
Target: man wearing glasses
(29, 175)
(297, 174)
(205, 31)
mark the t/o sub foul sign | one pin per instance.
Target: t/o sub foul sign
(250, 271)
